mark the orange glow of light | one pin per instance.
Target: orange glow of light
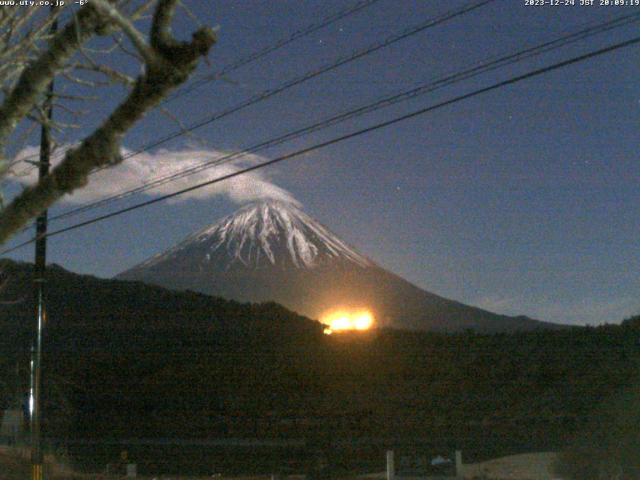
(344, 320)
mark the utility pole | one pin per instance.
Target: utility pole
(39, 284)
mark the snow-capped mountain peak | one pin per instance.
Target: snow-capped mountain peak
(273, 251)
(265, 234)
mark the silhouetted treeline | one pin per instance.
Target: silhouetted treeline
(126, 360)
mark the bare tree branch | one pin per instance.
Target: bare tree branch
(169, 65)
(121, 45)
(35, 78)
(81, 81)
(137, 39)
(108, 72)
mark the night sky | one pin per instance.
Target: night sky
(524, 200)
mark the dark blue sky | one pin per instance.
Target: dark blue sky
(522, 201)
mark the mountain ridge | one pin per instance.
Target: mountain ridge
(272, 251)
(250, 237)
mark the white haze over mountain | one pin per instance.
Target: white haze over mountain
(146, 166)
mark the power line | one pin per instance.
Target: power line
(318, 146)
(383, 102)
(266, 94)
(406, 33)
(272, 48)
(257, 55)
(429, 23)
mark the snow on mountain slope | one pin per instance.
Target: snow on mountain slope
(273, 251)
(263, 235)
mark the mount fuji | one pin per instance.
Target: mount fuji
(273, 251)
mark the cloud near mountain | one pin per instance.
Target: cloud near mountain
(146, 166)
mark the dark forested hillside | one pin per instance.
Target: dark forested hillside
(126, 360)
